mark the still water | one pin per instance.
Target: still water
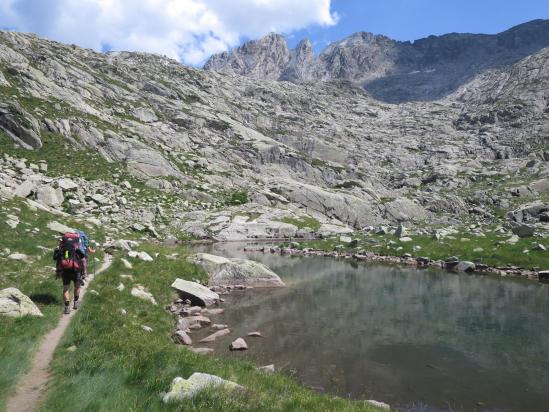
(420, 340)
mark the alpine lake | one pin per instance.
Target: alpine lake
(417, 339)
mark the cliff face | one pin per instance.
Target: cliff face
(392, 71)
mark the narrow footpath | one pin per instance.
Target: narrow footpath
(31, 386)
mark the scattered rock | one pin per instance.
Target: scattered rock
(141, 293)
(267, 368)
(255, 334)
(146, 328)
(144, 256)
(202, 351)
(18, 256)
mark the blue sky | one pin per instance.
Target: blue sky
(415, 19)
(192, 30)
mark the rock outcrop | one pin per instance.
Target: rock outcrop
(14, 303)
(231, 272)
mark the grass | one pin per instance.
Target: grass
(302, 222)
(490, 249)
(19, 336)
(119, 366)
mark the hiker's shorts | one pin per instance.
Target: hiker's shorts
(70, 275)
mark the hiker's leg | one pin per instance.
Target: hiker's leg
(66, 297)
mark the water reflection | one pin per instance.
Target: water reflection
(423, 340)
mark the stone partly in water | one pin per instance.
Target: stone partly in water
(231, 272)
(14, 303)
(181, 389)
(543, 276)
(464, 266)
(380, 405)
(214, 336)
(182, 338)
(198, 294)
(238, 344)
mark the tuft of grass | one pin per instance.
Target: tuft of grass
(19, 337)
(119, 366)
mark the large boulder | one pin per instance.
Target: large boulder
(59, 227)
(14, 303)
(49, 196)
(522, 229)
(198, 294)
(181, 389)
(230, 272)
(25, 189)
(404, 209)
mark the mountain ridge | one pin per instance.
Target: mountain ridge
(393, 71)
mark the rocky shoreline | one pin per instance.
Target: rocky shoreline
(452, 264)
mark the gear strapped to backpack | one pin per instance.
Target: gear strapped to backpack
(68, 254)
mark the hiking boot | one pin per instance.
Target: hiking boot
(67, 310)
(76, 304)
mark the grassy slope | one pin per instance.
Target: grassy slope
(119, 366)
(19, 336)
(494, 250)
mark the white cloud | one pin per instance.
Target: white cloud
(188, 30)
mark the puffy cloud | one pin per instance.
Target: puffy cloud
(188, 30)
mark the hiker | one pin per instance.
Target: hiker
(86, 249)
(70, 265)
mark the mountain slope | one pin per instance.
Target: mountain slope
(233, 157)
(392, 71)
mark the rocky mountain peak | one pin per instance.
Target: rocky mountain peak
(392, 71)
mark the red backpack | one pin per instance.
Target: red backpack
(69, 255)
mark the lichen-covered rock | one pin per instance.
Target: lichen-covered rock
(181, 389)
(14, 303)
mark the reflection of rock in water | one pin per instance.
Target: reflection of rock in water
(399, 334)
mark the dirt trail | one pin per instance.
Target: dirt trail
(31, 386)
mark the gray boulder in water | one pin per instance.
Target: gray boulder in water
(231, 272)
(198, 294)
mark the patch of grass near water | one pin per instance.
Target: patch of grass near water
(119, 366)
(19, 337)
(490, 249)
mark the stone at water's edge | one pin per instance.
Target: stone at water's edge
(14, 303)
(198, 294)
(239, 344)
(188, 388)
(543, 275)
(231, 272)
(381, 405)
